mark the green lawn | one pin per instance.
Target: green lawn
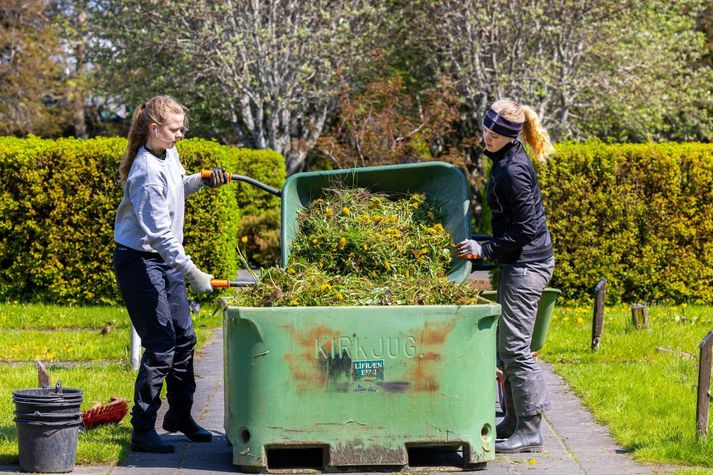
(70, 342)
(641, 383)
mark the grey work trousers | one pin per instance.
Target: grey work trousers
(519, 292)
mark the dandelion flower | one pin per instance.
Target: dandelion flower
(244, 239)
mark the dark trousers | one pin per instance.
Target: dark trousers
(155, 297)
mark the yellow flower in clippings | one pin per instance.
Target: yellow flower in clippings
(346, 211)
(315, 241)
(340, 296)
(325, 287)
(366, 248)
(291, 271)
(365, 219)
(532, 462)
(438, 228)
(244, 239)
(329, 211)
(375, 203)
(387, 264)
(424, 251)
(580, 320)
(565, 319)
(342, 243)
(295, 302)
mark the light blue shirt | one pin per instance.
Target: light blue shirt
(151, 213)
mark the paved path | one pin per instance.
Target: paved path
(574, 443)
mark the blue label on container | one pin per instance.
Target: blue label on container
(366, 373)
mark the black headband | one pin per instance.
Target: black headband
(501, 125)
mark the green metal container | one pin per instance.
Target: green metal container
(440, 181)
(360, 386)
(543, 318)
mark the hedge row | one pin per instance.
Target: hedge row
(640, 216)
(58, 200)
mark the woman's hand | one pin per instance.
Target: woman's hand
(469, 249)
(200, 281)
(218, 177)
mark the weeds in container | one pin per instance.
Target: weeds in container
(355, 247)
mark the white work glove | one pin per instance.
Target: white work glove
(200, 281)
(469, 249)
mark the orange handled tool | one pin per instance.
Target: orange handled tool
(226, 283)
(235, 177)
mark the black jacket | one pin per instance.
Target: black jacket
(520, 232)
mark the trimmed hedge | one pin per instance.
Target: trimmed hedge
(58, 200)
(640, 216)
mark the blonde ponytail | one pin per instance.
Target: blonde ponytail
(137, 137)
(536, 136)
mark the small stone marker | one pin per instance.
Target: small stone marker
(639, 316)
(704, 385)
(598, 319)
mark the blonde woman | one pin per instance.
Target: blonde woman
(150, 265)
(522, 248)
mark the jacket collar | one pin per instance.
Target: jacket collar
(508, 149)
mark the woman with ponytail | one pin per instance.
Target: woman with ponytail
(150, 265)
(522, 248)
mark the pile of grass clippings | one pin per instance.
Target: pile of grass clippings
(355, 247)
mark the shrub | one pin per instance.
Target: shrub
(57, 205)
(637, 215)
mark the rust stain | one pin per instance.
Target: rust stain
(308, 369)
(425, 371)
(436, 333)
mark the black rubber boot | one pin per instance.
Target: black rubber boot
(506, 427)
(149, 441)
(188, 426)
(526, 438)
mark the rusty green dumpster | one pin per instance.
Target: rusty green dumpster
(346, 387)
(359, 386)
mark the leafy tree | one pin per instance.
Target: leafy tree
(263, 70)
(30, 78)
(615, 69)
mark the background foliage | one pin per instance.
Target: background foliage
(57, 204)
(272, 74)
(637, 215)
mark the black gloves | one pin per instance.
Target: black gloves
(217, 178)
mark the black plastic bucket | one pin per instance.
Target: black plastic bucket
(47, 422)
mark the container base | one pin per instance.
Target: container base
(444, 457)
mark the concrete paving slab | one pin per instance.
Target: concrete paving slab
(574, 442)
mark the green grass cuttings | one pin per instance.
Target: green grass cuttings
(642, 383)
(104, 444)
(355, 247)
